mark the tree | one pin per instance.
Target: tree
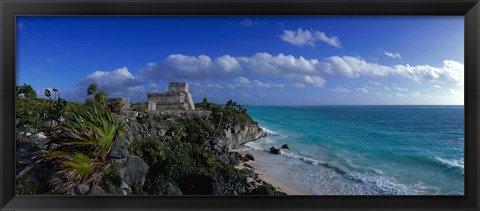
(229, 103)
(92, 89)
(47, 93)
(205, 101)
(27, 91)
(101, 97)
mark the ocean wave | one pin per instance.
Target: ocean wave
(385, 185)
(380, 185)
(254, 145)
(269, 132)
(452, 163)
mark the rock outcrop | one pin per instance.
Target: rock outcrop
(236, 135)
(192, 135)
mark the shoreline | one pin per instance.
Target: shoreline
(261, 177)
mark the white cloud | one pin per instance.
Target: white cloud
(452, 72)
(333, 41)
(314, 80)
(299, 70)
(242, 82)
(191, 67)
(393, 55)
(117, 83)
(340, 89)
(299, 38)
(353, 67)
(306, 37)
(285, 66)
(437, 86)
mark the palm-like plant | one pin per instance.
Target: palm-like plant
(83, 145)
(92, 89)
(47, 93)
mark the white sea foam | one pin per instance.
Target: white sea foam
(452, 163)
(254, 145)
(269, 132)
(385, 185)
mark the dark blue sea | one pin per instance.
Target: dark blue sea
(364, 150)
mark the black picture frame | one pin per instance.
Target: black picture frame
(9, 9)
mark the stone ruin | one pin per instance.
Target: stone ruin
(177, 98)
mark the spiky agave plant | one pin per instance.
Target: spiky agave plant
(82, 146)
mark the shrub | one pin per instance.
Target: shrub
(83, 143)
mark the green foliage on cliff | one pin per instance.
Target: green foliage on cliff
(82, 143)
(38, 113)
(152, 151)
(230, 114)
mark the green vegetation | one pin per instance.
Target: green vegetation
(83, 143)
(81, 136)
(92, 89)
(33, 112)
(230, 114)
(116, 105)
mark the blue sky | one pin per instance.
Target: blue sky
(257, 60)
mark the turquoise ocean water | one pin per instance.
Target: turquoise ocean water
(380, 150)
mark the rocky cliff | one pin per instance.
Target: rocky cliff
(161, 153)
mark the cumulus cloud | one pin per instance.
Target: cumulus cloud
(308, 37)
(285, 66)
(178, 66)
(393, 55)
(353, 67)
(117, 83)
(301, 71)
(242, 82)
(452, 71)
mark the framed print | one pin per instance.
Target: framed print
(239, 105)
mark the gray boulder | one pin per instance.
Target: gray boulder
(133, 170)
(81, 189)
(119, 151)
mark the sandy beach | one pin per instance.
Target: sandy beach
(261, 177)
